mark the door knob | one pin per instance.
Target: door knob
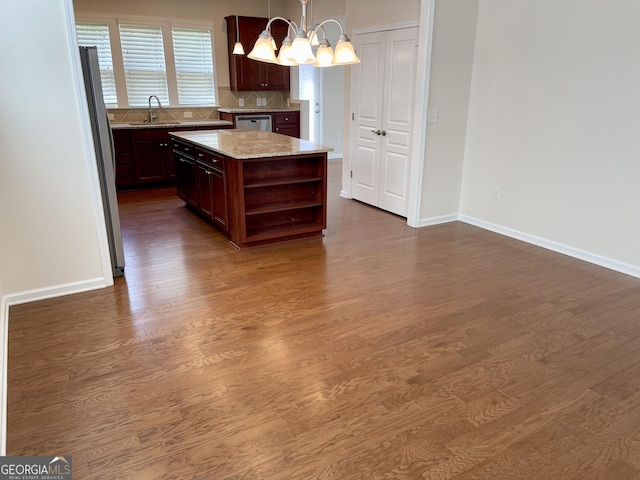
(384, 133)
(377, 132)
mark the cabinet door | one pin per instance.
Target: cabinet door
(169, 162)
(150, 160)
(187, 188)
(203, 174)
(251, 75)
(219, 209)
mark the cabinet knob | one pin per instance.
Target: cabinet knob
(186, 149)
(286, 118)
(201, 155)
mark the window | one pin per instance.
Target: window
(144, 66)
(175, 63)
(194, 66)
(97, 35)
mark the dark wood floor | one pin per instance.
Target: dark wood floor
(379, 351)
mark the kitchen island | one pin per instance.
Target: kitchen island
(256, 187)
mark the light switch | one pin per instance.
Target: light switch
(241, 102)
(433, 116)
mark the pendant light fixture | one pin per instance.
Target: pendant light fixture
(298, 50)
(238, 49)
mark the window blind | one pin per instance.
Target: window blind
(97, 35)
(144, 64)
(194, 66)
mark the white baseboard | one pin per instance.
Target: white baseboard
(426, 222)
(334, 156)
(24, 297)
(605, 262)
(345, 194)
(56, 291)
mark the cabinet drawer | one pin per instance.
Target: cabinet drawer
(285, 119)
(211, 158)
(183, 148)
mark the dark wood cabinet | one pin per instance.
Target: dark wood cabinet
(150, 159)
(144, 156)
(259, 201)
(201, 182)
(212, 184)
(285, 123)
(274, 200)
(185, 167)
(249, 75)
(124, 160)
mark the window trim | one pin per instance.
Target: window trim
(113, 21)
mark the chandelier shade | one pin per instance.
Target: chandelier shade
(299, 51)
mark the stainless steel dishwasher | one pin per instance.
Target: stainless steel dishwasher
(254, 122)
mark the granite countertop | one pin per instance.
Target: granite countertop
(244, 144)
(258, 109)
(190, 123)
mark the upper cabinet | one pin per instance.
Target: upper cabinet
(246, 74)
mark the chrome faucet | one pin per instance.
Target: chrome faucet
(153, 116)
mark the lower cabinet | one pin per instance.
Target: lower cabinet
(284, 123)
(124, 162)
(144, 156)
(153, 161)
(185, 167)
(202, 183)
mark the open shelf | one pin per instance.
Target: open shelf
(283, 231)
(280, 207)
(269, 182)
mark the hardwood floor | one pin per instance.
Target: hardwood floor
(379, 351)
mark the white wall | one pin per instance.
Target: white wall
(450, 81)
(47, 211)
(53, 236)
(553, 121)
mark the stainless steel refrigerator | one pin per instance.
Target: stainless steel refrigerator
(105, 155)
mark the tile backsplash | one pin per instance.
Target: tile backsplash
(227, 99)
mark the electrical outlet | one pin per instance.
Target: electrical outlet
(497, 192)
(259, 101)
(188, 114)
(110, 116)
(338, 137)
(241, 102)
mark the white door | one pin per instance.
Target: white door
(383, 93)
(310, 79)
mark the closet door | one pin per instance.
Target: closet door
(368, 89)
(383, 93)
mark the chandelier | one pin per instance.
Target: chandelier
(298, 50)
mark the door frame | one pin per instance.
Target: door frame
(421, 100)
